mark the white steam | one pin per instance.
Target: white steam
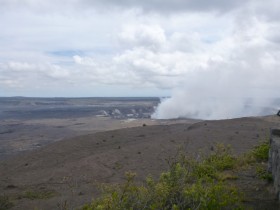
(239, 78)
(200, 106)
(226, 90)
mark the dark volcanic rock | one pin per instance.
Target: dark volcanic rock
(274, 159)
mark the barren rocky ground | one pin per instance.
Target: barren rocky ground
(69, 171)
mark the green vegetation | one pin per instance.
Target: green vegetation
(117, 166)
(260, 152)
(33, 195)
(188, 184)
(221, 159)
(256, 158)
(264, 174)
(5, 202)
(204, 184)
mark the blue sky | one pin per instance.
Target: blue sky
(140, 48)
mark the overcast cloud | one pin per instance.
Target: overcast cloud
(209, 56)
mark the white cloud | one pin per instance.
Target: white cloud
(86, 61)
(148, 36)
(24, 71)
(162, 6)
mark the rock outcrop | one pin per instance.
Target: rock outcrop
(274, 159)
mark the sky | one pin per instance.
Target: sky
(205, 55)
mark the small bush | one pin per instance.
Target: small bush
(213, 196)
(264, 174)
(245, 160)
(261, 151)
(5, 202)
(221, 159)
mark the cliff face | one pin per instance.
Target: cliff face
(274, 159)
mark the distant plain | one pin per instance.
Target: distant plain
(30, 123)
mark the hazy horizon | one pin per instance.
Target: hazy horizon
(163, 107)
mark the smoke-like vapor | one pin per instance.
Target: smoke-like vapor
(224, 93)
(243, 82)
(200, 106)
(226, 90)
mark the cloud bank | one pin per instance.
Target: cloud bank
(162, 6)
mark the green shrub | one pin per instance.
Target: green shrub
(264, 174)
(188, 184)
(5, 202)
(261, 152)
(221, 159)
(213, 195)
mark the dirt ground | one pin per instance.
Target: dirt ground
(71, 169)
(17, 135)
